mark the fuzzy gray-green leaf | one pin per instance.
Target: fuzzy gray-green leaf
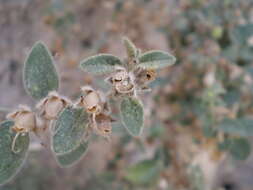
(70, 128)
(156, 60)
(131, 50)
(100, 64)
(10, 162)
(40, 75)
(242, 127)
(132, 115)
(240, 148)
(68, 159)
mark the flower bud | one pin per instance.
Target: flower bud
(52, 105)
(24, 119)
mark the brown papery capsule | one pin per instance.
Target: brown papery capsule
(52, 105)
(91, 100)
(104, 126)
(145, 76)
(124, 86)
(24, 120)
(119, 76)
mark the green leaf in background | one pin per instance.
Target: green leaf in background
(70, 128)
(242, 127)
(68, 159)
(131, 50)
(10, 162)
(196, 177)
(156, 60)
(40, 75)
(132, 115)
(100, 64)
(239, 148)
(143, 173)
(241, 34)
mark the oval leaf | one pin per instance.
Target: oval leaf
(100, 64)
(132, 115)
(242, 127)
(40, 75)
(70, 129)
(71, 158)
(156, 60)
(240, 148)
(10, 162)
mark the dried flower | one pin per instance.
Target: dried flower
(24, 119)
(143, 77)
(24, 122)
(125, 86)
(91, 100)
(103, 125)
(52, 105)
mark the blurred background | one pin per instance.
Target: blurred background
(212, 80)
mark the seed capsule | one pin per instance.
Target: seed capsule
(24, 120)
(125, 86)
(52, 105)
(103, 125)
(120, 76)
(91, 100)
(144, 77)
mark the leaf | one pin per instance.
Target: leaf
(144, 172)
(241, 34)
(100, 64)
(71, 158)
(196, 177)
(132, 115)
(241, 126)
(131, 50)
(40, 75)
(10, 162)
(156, 60)
(70, 129)
(240, 148)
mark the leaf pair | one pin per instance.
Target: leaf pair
(107, 63)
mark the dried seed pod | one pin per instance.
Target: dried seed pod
(24, 122)
(125, 86)
(91, 100)
(143, 77)
(24, 119)
(103, 125)
(118, 76)
(50, 106)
